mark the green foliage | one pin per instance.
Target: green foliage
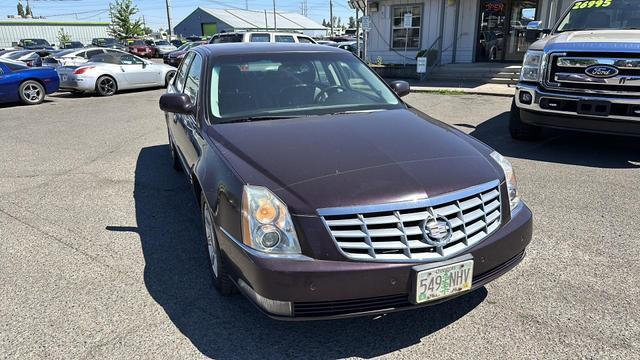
(352, 22)
(147, 30)
(123, 25)
(63, 37)
(20, 9)
(28, 11)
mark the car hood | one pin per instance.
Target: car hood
(356, 159)
(597, 40)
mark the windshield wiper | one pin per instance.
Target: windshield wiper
(261, 118)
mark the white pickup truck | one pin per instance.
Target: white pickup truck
(584, 74)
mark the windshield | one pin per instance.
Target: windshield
(138, 43)
(106, 41)
(295, 84)
(601, 15)
(162, 42)
(29, 42)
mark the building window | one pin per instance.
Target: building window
(402, 36)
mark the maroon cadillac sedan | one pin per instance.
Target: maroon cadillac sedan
(324, 195)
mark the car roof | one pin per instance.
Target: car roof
(215, 50)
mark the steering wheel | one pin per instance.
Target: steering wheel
(324, 93)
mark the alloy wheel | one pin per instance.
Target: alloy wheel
(32, 93)
(107, 86)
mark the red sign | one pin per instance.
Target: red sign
(494, 7)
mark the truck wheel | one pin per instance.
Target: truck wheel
(520, 130)
(31, 92)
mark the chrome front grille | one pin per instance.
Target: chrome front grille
(567, 71)
(394, 232)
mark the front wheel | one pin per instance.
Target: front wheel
(106, 86)
(520, 130)
(31, 92)
(217, 265)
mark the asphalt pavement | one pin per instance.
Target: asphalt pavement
(101, 255)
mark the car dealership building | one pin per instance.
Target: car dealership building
(460, 31)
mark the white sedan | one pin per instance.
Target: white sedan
(109, 73)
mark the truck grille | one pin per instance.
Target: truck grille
(567, 71)
(394, 232)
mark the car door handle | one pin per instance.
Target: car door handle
(121, 69)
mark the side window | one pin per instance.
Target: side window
(130, 60)
(305, 40)
(260, 38)
(113, 52)
(92, 53)
(182, 72)
(192, 81)
(285, 39)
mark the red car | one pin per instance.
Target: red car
(142, 48)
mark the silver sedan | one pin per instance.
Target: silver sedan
(107, 74)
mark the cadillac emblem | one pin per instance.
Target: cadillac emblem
(437, 231)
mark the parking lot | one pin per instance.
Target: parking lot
(101, 252)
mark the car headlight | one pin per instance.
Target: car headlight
(266, 222)
(532, 66)
(510, 176)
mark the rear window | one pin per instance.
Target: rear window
(285, 39)
(231, 38)
(15, 67)
(304, 40)
(260, 38)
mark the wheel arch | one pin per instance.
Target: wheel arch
(115, 80)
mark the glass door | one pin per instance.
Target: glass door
(493, 16)
(522, 12)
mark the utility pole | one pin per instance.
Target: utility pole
(168, 2)
(275, 21)
(331, 15)
(246, 4)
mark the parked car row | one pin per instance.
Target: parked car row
(97, 70)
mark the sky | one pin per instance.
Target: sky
(154, 11)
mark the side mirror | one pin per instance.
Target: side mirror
(176, 103)
(534, 30)
(402, 88)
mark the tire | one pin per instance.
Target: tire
(106, 86)
(169, 77)
(520, 130)
(31, 92)
(175, 161)
(217, 266)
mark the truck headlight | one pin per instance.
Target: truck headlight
(510, 177)
(532, 66)
(266, 222)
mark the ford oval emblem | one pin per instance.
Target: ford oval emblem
(602, 71)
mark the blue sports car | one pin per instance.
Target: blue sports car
(28, 85)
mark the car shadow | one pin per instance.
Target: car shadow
(177, 277)
(560, 146)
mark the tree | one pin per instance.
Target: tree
(123, 25)
(63, 37)
(147, 30)
(28, 12)
(352, 22)
(324, 23)
(20, 9)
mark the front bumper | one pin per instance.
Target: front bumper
(322, 289)
(562, 110)
(141, 53)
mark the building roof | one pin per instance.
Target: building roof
(19, 21)
(250, 19)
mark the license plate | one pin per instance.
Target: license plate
(443, 281)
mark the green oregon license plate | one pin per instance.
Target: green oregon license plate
(443, 281)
